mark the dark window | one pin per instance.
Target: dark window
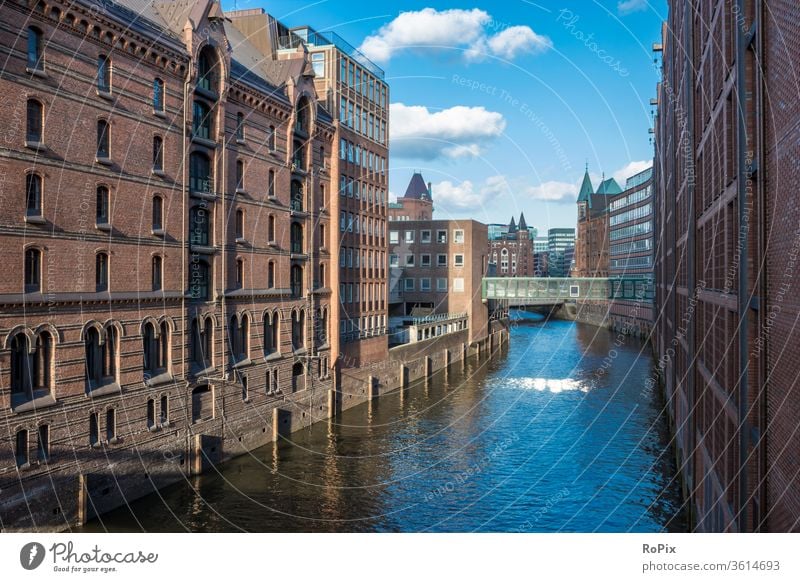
(164, 412)
(43, 444)
(33, 270)
(271, 184)
(297, 195)
(94, 359)
(111, 424)
(151, 413)
(101, 271)
(303, 121)
(271, 228)
(102, 205)
(21, 448)
(199, 173)
(271, 138)
(158, 212)
(240, 126)
(102, 139)
(270, 332)
(199, 226)
(199, 280)
(31, 372)
(239, 175)
(298, 158)
(205, 72)
(197, 343)
(33, 195)
(297, 238)
(298, 329)
(109, 354)
(35, 60)
(239, 273)
(103, 74)
(202, 120)
(202, 403)
(296, 275)
(150, 349)
(158, 95)
(271, 275)
(157, 270)
(94, 429)
(244, 338)
(158, 154)
(321, 282)
(33, 131)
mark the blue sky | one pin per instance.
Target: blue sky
(501, 105)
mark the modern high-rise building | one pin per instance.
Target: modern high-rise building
(560, 250)
(354, 91)
(726, 247)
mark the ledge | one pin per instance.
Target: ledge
(35, 219)
(45, 401)
(159, 379)
(105, 390)
(103, 226)
(161, 114)
(242, 364)
(240, 141)
(104, 161)
(209, 196)
(105, 95)
(240, 240)
(207, 93)
(211, 144)
(159, 173)
(34, 145)
(158, 232)
(272, 356)
(41, 73)
(203, 250)
(241, 192)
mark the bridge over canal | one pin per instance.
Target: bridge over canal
(551, 292)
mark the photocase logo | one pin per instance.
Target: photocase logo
(32, 555)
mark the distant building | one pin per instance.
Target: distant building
(630, 218)
(560, 250)
(513, 252)
(416, 203)
(591, 246)
(496, 231)
(540, 244)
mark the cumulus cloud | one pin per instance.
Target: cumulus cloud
(631, 169)
(470, 30)
(553, 191)
(629, 6)
(457, 132)
(449, 197)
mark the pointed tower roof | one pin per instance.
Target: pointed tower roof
(522, 224)
(417, 188)
(512, 226)
(609, 187)
(586, 188)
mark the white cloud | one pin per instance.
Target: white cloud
(450, 198)
(457, 132)
(629, 6)
(553, 191)
(633, 168)
(429, 28)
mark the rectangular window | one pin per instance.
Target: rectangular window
(425, 236)
(409, 260)
(111, 424)
(394, 260)
(425, 260)
(458, 236)
(441, 260)
(458, 285)
(441, 284)
(408, 284)
(409, 236)
(43, 446)
(425, 284)
(458, 260)
(318, 64)
(441, 236)
(394, 237)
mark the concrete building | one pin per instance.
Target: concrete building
(561, 250)
(416, 203)
(540, 244)
(591, 244)
(173, 314)
(630, 216)
(727, 240)
(512, 253)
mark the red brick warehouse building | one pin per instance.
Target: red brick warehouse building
(512, 251)
(727, 238)
(167, 214)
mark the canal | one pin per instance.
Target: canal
(557, 433)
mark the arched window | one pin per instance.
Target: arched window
(21, 448)
(103, 205)
(297, 238)
(103, 150)
(33, 195)
(201, 120)
(271, 138)
(271, 333)
(35, 53)
(271, 184)
(157, 273)
(303, 118)
(158, 213)
(240, 126)
(31, 372)
(298, 371)
(240, 223)
(94, 359)
(197, 343)
(271, 275)
(101, 271)
(35, 116)
(199, 280)
(297, 195)
(234, 337)
(271, 228)
(199, 172)
(158, 154)
(206, 79)
(109, 353)
(33, 270)
(296, 282)
(104, 74)
(150, 349)
(199, 226)
(244, 338)
(298, 329)
(158, 95)
(322, 326)
(208, 341)
(163, 356)
(239, 175)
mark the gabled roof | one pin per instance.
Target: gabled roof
(522, 224)
(608, 187)
(417, 188)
